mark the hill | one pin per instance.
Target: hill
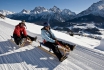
(30, 57)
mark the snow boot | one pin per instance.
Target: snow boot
(35, 38)
(72, 48)
(63, 58)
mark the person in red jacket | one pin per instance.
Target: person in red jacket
(20, 33)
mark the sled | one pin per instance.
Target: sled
(46, 49)
(49, 50)
(24, 42)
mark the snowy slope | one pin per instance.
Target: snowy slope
(30, 57)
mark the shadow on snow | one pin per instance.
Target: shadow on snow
(35, 56)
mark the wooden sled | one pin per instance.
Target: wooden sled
(25, 41)
(49, 50)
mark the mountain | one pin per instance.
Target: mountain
(94, 13)
(64, 20)
(96, 9)
(56, 15)
(40, 14)
(38, 10)
(24, 11)
(5, 12)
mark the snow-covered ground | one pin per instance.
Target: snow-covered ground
(88, 55)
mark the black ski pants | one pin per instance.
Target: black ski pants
(54, 48)
(18, 40)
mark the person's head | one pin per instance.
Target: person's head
(22, 23)
(46, 26)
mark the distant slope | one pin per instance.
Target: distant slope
(32, 58)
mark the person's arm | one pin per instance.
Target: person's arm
(24, 32)
(17, 31)
(46, 37)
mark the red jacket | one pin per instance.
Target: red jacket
(18, 30)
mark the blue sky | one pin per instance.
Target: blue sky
(74, 5)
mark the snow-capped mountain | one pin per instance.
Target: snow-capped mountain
(38, 10)
(24, 11)
(67, 14)
(43, 14)
(55, 9)
(5, 12)
(67, 11)
(95, 13)
(57, 15)
(96, 9)
(64, 18)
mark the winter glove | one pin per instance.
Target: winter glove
(56, 41)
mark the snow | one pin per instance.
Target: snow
(5, 12)
(95, 9)
(88, 25)
(88, 55)
(101, 45)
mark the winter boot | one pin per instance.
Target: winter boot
(72, 48)
(35, 38)
(63, 58)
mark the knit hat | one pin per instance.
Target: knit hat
(23, 22)
(46, 24)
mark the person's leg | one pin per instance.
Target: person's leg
(22, 39)
(32, 38)
(65, 48)
(69, 45)
(54, 49)
(16, 39)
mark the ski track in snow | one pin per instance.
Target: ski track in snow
(31, 57)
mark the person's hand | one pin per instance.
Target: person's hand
(56, 41)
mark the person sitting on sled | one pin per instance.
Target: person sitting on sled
(20, 33)
(51, 41)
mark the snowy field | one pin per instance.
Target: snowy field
(88, 55)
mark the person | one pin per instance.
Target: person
(20, 33)
(2, 16)
(51, 41)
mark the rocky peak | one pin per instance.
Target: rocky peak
(67, 11)
(25, 11)
(55, 9)
(39, 9)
